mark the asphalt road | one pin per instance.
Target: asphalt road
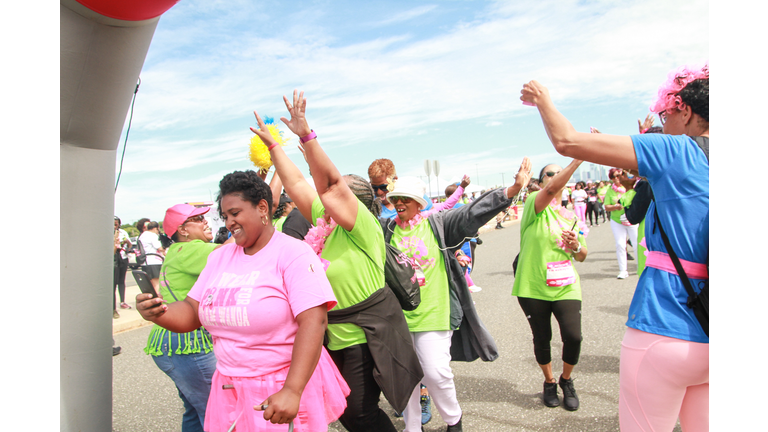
(503, 395)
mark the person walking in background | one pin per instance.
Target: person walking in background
(579, 198)
(153, 249)
(122, 245)
(592, 203)
(664, 367)
(619, 196)
(547, 283)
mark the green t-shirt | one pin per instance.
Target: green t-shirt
(184, 261)
(612, 197)
(420, 244)
(279, 223)
(601, 193)
(539, 238)
(353, 276)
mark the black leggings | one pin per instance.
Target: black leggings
(592, 207)
(568, 315)
(121, 268)
(363, 413)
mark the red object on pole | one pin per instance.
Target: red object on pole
(136, 10)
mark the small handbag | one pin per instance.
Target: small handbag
(401, 276)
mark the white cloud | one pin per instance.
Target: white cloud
(394, 86)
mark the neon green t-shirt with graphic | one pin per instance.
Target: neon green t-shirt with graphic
(353, 276)
(420, 244)
(540, 239)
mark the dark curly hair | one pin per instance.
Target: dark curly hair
(696, 95)
(247, 185)
(279, 211)
(364, 192)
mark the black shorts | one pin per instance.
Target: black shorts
(152, 270)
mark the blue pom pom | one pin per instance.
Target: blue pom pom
(269, 120)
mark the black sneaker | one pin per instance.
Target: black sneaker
(549, 397)
(116, 350)
(570, 400)
(630, 257)
(456, 427)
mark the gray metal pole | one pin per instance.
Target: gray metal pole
(100, 63)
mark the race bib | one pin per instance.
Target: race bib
(560, 273)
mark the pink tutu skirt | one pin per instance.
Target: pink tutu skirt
(323, 401)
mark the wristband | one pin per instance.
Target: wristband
(577, 250)
(272, 146)
(312, 135)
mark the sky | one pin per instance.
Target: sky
(405, 80)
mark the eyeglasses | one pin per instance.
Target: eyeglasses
(395, 199)
(552, 173)
(663, 117)
(198, 218)
(381, 187)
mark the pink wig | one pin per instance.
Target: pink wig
(668, 98)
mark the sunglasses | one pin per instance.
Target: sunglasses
(552, 173)
(381, 187)
(395, 199)
(663, 117)
(198, 218)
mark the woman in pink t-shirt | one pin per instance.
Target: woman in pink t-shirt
(264, 300)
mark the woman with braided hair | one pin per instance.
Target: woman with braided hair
(366, 329)
(664, 369)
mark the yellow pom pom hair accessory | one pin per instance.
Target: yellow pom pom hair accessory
(259, 153)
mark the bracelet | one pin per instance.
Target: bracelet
(577, 250)
(312, 135)
(272, 146)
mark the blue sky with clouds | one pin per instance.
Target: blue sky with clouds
(408, 81)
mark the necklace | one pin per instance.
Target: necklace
(409, 224)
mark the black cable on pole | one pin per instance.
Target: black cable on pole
(125, 144)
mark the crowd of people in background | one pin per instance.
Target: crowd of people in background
(311, 255)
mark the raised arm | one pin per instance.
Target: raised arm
(609, 150)
(276, 185)
(553, 188)
(297, 187)
(462, 223)
(339, 201)
(451, 200)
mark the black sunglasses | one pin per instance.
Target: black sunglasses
(552, 173)
(381, 187)
(198, 218)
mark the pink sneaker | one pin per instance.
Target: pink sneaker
(125, 305)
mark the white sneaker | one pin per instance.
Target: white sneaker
(474, 289)
(623, 275)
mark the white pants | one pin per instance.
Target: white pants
(620, 233)
(434, 351)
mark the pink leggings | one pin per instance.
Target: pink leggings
(661, 379)
(581, 211)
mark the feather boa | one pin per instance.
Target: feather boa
(316, 237)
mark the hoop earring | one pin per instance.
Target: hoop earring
(264, 221)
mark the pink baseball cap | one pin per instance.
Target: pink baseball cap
(176, 215)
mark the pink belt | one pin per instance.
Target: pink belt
(662, 261)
